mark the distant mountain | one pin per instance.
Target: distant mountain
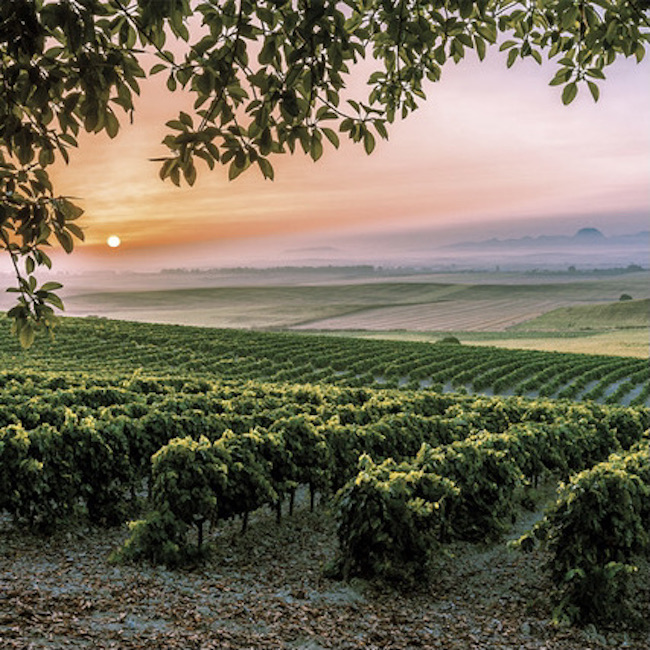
(584, 237)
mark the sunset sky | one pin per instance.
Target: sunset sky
(493, 152)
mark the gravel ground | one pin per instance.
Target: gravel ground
(266, 589)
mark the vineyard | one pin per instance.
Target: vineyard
(186, 429)
(104, 346)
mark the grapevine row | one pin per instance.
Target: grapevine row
(103, 346)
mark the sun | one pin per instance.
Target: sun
(113, 241)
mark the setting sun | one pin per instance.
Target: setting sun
(113, 241)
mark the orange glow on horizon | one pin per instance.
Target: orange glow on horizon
(470, 154)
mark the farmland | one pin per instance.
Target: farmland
(618, 315)
(507, 309)
(205, 392)
(261, 427)
(110, 346)
(623, 342)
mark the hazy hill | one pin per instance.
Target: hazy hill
(590, 237)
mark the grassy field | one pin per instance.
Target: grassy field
(623, 343)
(561, 312)
(618, 315)
(427, 299)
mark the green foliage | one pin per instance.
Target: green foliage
(131, 439)
(159, 539)
(308, 448)
(249, 474)
(449, 340)
(600, 521)
(76, 443)
(48, 472)
(538, 449)
(486, 477)
(283, 471)
(627, 425)
(188, 478)
(53, 490)
(625, 296)
(200, 354)
(382, 529)
(102, 458)
(345, 445)
(73, 67)
(390, 520)
(19, 473)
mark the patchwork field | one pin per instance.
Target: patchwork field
(452, 315)
(564, 312)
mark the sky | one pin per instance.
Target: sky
(492, 152)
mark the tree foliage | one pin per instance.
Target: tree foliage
(266, 77)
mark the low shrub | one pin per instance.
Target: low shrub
(390, 520)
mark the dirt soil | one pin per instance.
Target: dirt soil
(266, 589)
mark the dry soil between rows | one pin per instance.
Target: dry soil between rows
(266, 589)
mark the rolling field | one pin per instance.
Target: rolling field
(619, 315)
(562, 312)
(625, 342)
(430, 306)
(457, 315)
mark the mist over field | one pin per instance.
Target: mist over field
(432, 249)
(506, 246)
(502, 290)
(587, 249)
